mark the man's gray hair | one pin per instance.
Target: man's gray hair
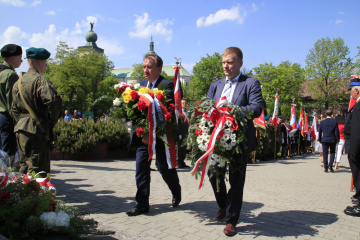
(158, 60)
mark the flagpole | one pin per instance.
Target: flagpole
(299, 131)
(257, 130)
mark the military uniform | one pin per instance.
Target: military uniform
(8, 77)
(34, 144)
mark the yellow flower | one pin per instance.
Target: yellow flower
(158, 91)
(144, 90)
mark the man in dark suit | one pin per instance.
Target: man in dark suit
(246, 93)
(183, 128)
(352, 129)
(152, 69)
(329, 136)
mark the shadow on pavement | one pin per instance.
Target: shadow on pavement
(284, 223)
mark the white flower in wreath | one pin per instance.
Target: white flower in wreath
(202, 126)
(203, 147)
(116, 102)
(228, 123)
(48, 219)
(210, 123)
(222, 163)
(228, 130)
(233, 136)
(128, 88)
(203, 121)
(226, 136)
(63, 219)
(136, 85)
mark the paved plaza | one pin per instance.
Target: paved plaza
(283, 199)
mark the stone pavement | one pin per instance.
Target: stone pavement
(289, 199)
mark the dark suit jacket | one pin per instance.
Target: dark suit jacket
(247, 95)
(329, 131)
(169, 93)
(355, 131)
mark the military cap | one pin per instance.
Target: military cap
(38, 53)
(10, 50)
(281, 117)
(354, 82)
(267, 117)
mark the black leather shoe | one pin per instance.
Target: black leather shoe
(183, 165)
(137, 210)
(354, 211)
(176, 199)
(331, 170)
(354, 201)
(326, 170)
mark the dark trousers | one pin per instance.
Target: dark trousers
(143, 178)
(233, 199)
(8, 139)
(181, 152)
(354, 162)
(326, 147)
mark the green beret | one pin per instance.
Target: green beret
(267, 117)
(38, 53)
(10, 50)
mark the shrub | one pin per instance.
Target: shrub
(80, 137)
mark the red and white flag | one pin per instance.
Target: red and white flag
(301, 122)
(177, 93)
(260, 122)
(293, 120)
(314, 127)
(276, 111)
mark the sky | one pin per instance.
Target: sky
(269, 31)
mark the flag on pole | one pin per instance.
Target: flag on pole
(293, 120)
(260, 122)
(314, 127)
(306, 126)
(177, 92)
(301, 125)
(276, 111)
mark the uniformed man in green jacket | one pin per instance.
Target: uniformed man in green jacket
(12, 57)
(36, 108)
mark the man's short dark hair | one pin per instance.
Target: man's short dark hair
(329, 112)
(158, 60)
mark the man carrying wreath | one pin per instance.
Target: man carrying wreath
(152, 69)
(245, 92)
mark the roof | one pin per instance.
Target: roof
(122, 72)
(168, 69)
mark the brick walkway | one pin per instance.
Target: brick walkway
(289, 199)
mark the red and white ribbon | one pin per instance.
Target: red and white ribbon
(218, 116)
(152, 124)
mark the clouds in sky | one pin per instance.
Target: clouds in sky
(50, 38)
(19, 3)
(145, 27)
(236, 13)
(50, 13)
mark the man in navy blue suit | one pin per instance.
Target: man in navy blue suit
(352, 133)
(152, 69)
(328, 137)
(246, 93)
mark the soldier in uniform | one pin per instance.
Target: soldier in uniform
(35, 117)
(11, 54)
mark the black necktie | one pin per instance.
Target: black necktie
(150, 85)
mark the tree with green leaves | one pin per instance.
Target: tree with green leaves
(77, 74)
(286, 79)
(205, 72)
(327, 66)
